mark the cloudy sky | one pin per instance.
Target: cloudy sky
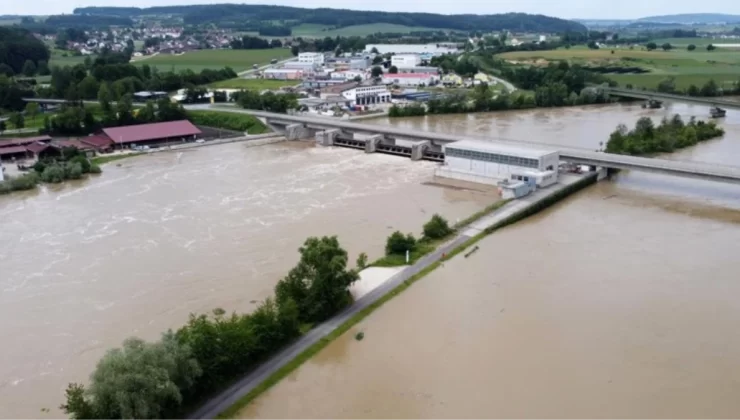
(601, 9)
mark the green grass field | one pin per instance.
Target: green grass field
(313, 30)
(196, 61)
(688, 67)
(256, 84)
(699, 42)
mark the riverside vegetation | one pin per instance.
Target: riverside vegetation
(71, 164)
(671, 134)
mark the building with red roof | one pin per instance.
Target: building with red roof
(24, 141)
(13, 152)
(100, 142)
(149, 133)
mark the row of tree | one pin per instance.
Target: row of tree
(159, 379)
(483, 99)
(671, 134)
(709, 89)
(269, 101)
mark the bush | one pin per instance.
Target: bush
(437, 227)
(398, 243)
(95, 169)
(74, 171)
(228, 121)
(53, 173)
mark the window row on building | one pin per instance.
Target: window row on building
(492, 157)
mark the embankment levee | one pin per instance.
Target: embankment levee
(239, 394)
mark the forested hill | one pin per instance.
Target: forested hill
(226, 13)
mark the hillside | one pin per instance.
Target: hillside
(692, 18)
(246, 14)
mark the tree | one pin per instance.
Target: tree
(378, 59)
(376, 71)
(710, 88)
(148, 113)
(124, 108)
(398, 243)
(437, 227)
(88, 88)
(393, 70)
(593, 45)
(17, 120)
(32, 110)
(374, 51)
(6, 70)
(139, 380)
(319, 283)
(651, 46)
(294, 50)
(691, 47)
(666, 46)
(3, 127)
(361, 261)
(667, 85)
(29, 69)
(711, 47)
(357, 78)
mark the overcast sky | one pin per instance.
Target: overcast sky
(600, 9)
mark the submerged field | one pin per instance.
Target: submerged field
(687, 67)
(238, 60)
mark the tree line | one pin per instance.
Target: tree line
(160, 379)
(709, 89)
(269, 101)
(87, 21)
(84, 81)
(671, 134)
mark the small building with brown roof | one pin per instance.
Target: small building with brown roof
(13, 152)
(22, 141)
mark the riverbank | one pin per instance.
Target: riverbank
(234, 398)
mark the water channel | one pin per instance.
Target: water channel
(618, 302)
(629, 283)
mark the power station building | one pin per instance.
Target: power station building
(491, 163)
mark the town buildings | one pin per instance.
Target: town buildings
(410, 79)
(311, 58)
(367, 95)
(406, 60)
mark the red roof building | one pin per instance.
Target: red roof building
(99, 142)
(151, 132)
(24, 140)
(37, 148)
(12, 151)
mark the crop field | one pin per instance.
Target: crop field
(254, 84)
(687, 67)
(196, 61)
(313, 30)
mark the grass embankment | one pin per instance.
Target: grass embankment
(196, 61)
(688, 67)
(100, 160)
(254, 84)
(228, 120)
(354, 320)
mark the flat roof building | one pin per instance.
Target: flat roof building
(490, 163)
(431, 49)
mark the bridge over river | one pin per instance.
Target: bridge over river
(428, 145)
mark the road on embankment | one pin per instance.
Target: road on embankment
(235, 392)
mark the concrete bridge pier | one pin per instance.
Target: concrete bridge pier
(326, 137)
(297, 132)
(371, 143)
(417, 149)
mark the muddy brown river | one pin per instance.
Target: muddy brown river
(617, 302)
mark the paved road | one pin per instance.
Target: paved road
(226, 399)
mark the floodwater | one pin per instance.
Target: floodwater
(135, 250)
(619, 302)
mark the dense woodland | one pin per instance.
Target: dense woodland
(222, 14)
(17, 46)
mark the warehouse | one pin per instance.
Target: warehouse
(489, 163)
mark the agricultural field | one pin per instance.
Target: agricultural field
(320, 31)
(687, 67)
(699, 42)
(254, 84)
(196, 61)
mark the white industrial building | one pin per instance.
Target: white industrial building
(405, 60)
(410, 79)
(367, 95)
(282, 74)
(311, 57)
(490, 163)
(348, 75)
(431, 49)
